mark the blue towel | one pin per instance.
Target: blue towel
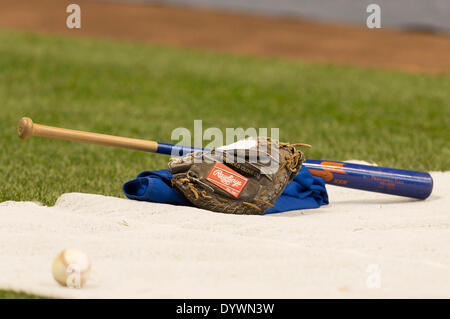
(304, 192)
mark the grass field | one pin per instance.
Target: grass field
(391, 118)
(7, 294)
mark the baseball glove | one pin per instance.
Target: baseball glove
(237, 181)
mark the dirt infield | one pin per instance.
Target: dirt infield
(236, 33)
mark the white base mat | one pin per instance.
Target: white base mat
(146, 250)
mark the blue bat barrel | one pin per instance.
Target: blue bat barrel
(385, 180)
(176, 150)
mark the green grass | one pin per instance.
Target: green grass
(392, 118)
(7, 294)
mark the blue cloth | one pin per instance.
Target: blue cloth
(304, 192)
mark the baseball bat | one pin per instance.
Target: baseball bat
(385, 180)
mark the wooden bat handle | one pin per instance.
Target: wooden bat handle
(26, 128)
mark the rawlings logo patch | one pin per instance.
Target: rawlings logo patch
(224, 177)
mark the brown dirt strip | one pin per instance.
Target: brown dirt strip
(236, 33)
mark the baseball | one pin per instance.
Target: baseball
(71, 268)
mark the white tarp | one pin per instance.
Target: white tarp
(359, 242)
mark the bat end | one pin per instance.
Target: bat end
(25, 128)
(429, 189)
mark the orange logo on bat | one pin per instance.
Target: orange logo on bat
(338, 181)
(333, 167)
(325, 175)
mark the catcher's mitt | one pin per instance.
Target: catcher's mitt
(244, 181)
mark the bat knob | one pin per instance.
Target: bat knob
(25, 128)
